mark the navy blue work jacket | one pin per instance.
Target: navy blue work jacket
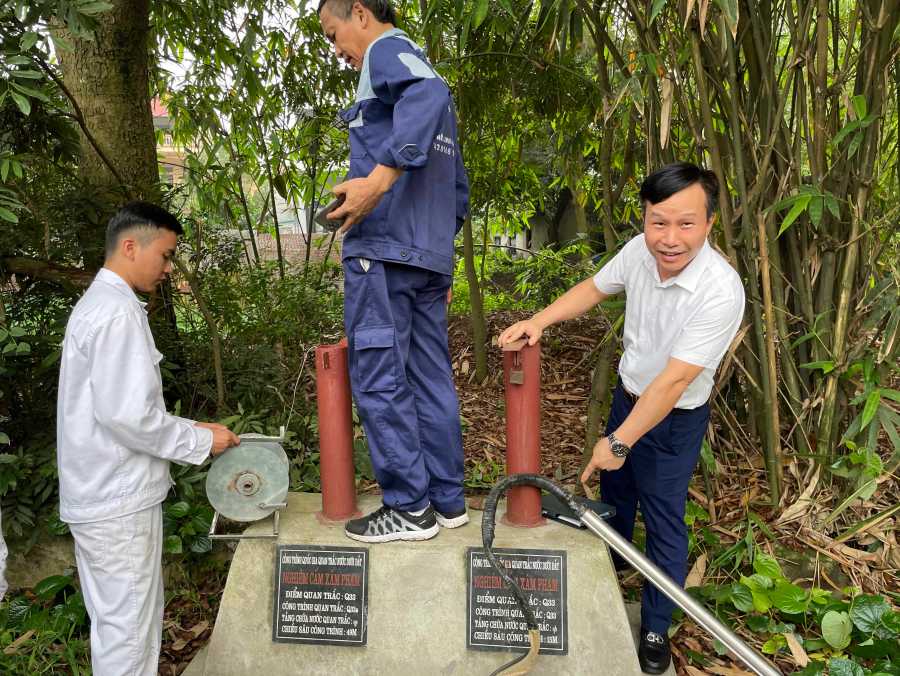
(404, 117)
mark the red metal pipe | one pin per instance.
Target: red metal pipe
(335, 432)
(522, 382)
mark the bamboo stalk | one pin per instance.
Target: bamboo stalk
(773, 447)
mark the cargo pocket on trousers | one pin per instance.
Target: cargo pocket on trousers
(375, 360)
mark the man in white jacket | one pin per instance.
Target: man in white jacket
(115, 440)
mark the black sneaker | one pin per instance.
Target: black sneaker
(387, 524)
(654, 654)
(453, 518)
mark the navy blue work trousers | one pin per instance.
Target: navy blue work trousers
(656, 475)
(396, 321)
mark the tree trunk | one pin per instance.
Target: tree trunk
(479, 325)
(108, 78)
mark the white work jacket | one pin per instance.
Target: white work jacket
(114, 438)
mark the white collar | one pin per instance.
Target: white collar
(107, 276)
(689, 277)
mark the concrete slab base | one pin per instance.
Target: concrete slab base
(417, 605)
(198, 664)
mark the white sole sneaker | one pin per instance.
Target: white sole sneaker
(455, 522)
(407, 535)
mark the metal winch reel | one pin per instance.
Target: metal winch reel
(248, 483)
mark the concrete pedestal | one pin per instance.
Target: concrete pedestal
(417, 604)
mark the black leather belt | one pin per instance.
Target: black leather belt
(633, 398)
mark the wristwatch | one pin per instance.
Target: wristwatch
(618, 448)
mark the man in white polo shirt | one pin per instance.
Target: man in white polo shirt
(684, 306)
(115, 441)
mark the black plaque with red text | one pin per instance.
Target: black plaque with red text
(494, 620)
(321, 595)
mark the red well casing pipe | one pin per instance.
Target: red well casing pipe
(522, 383)
(335, 432)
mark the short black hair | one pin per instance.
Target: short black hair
(675, 177)
(342, 9)
(139, 215)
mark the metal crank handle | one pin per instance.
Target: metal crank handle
(253, 436)
(272, 505)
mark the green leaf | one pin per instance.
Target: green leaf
(867, 611)
(768, 566)
(819, 596)
(811, 669)
(30, 91)
(742, 597)
(836, 628)
(871, 407)
(855, 142)
(758, 623)
(27, 75)
(656, 9)
(859, 106)
(4, 438)
(22, 102)
(816, 209)
(789, 598)
(774, 644)
(49, 587)
(480, 12)
(93, 8)
(23, 348)
(891, 622)
(17, 331)
(864, 492)
(29, 38)
(799, 207)
(833, 206)
(826, 366)
(8, 458)
(172, 545)
(849, 128)
(838, 666)
(178, 510)
(758, 586)
(201, 545)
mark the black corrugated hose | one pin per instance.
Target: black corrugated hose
(487, 537)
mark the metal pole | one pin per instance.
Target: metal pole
(681, 598)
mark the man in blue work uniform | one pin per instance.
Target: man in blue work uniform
(405, 199)
(684, 307)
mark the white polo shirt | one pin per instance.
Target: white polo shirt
(692, 316)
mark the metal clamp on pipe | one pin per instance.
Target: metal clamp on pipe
(756, 662)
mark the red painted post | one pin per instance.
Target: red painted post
(335, 432)
(522, 381)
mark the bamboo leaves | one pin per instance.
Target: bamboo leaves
(479, 13)
(656, 9)
(808, 200)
